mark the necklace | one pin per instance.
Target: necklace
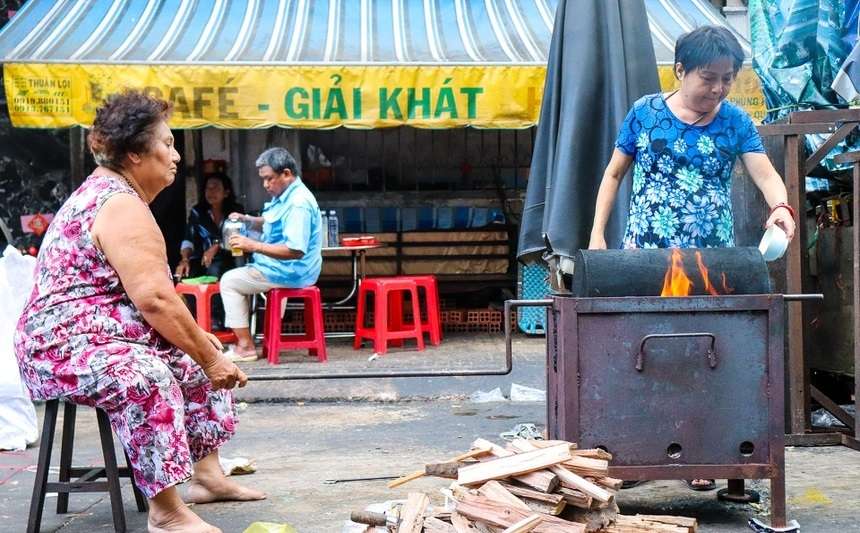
(128, 182)
(703, 115)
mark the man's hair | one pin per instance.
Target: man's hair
(279, 159)
(125, 123)
(708, 44)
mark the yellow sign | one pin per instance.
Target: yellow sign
(317, 97)
(52, 95)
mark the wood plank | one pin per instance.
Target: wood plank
(568, 478)
(542, 480)
(544, 507)
(683, 521)
(576, 498)
(581, 465)
(522, 492)
(521, 463)
(462, 524)
(525, 525)
(474, 452)
(493, 490)
(434, 525)
(412, 513)
(592, 453)
(635, 523)
(609, 482)
(479, 508)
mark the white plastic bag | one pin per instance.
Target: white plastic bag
(18, 426)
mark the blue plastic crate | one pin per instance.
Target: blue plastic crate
(532, 284)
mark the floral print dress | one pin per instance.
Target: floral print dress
(81, 339)
(682, 174)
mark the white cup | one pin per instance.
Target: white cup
(773, 243)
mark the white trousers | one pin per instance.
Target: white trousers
(237, 286)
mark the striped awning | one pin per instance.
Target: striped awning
(478, 46)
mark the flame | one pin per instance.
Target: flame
(704, 272)
(676, 282)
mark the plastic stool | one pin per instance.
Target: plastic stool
(313, 339)
(87, 476)
(203, 294)
(433, 324)
(386, 290)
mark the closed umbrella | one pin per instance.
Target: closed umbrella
(601, 60)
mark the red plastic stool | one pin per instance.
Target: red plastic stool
(203, 294)
(313, 339)
(386, 290)
(433, 324)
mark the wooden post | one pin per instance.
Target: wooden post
(795, 268)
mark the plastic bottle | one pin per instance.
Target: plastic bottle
(333, 231)
(324, 229)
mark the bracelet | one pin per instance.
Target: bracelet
(785, 206)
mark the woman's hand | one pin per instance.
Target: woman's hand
(183, 269)
(241, 216)
(224, 374)
(597, 242)
(216, 342)
(209, 255)
(243, 243)
(782, 218)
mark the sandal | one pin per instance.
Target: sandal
(701, 487)
(237, 357)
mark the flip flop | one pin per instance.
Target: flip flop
(710, 485)
(236, 357)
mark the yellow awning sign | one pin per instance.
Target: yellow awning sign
(313, 97)
(57, 95)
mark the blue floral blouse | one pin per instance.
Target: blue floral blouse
(682, 174)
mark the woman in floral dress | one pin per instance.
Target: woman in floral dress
(104, 327)
(683, 146)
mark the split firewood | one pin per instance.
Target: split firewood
(445, 470)
(521, 463)
(525, 525)
(462, 524)
(474, 452)
(658, 523)
(568, 478)
(435, 525)
(482, 509)
(582, 466)
(551, 504)
(412, 513)
(493, 490)
(609, 482)
(576, 498)
(592, 453)
(542, 480)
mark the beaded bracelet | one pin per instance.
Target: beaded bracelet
(786, 206)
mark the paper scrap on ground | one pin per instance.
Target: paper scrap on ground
(237, 466)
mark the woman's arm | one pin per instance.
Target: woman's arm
(769, 182)
(130, 239)
(612, 177)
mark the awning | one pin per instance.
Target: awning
(298, 63)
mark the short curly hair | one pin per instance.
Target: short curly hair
(124, 123)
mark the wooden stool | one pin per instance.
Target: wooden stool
(86, 476)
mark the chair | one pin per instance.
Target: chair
(313, 339)
(203, 294)
(431, 306)
(86, 476)
(386, 292)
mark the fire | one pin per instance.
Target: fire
(677, 283)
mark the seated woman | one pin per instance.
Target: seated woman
(104, 327)
(202, 252)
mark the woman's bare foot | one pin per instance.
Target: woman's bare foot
(214, 489)
(180, 520)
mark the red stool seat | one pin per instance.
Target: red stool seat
(386, 290)
(203, 294)
(313, 339)
(433, 323)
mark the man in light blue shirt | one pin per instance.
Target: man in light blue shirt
(287, 255)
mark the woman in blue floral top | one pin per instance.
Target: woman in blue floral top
(683, 146)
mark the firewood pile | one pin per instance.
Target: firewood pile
(543, 486)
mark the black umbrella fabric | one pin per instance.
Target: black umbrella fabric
(601, 60)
